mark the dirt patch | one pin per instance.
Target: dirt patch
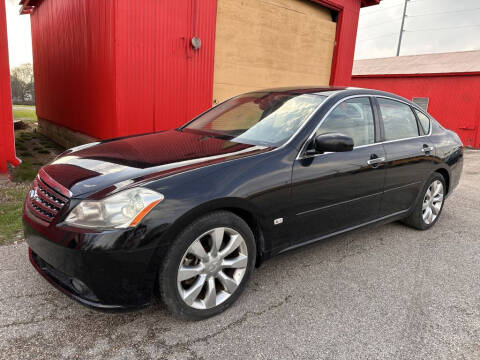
(35, 150)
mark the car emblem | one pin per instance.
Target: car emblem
(33, 194)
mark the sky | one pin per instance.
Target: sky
(19, 35)
(431, 26)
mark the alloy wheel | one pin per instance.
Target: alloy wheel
(212, 268)
(432, 202)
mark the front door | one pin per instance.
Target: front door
(336, 191)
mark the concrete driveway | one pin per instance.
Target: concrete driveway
(23, 107)
(389, 292)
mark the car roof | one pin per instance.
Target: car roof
(320, 90)
(338, 91)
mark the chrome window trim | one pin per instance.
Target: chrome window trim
(429, 120)
(299, 155)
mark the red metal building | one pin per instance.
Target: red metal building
(118, 67)
(447, 85)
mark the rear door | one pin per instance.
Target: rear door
(409, 154)
(336, 191)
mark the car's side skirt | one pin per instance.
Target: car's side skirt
(385, 219)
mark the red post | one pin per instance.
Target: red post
(7, 139)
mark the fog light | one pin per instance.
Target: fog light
(80, 287)
(83, 290)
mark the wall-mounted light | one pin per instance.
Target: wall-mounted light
(196, 43)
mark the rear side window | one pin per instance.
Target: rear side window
(399, 121)
(353, 118)
(424, 121)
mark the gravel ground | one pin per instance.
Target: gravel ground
(388, 292)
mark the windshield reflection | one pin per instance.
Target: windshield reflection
(260, 118)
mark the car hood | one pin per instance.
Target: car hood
(99, 169)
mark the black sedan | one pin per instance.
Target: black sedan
(188, 213)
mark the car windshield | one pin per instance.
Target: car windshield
(260, 118)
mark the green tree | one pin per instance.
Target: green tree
(21, 81)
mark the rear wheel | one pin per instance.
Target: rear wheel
(207, 266)
(428, 209)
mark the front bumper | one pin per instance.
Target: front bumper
(114, 279)
(65, 284)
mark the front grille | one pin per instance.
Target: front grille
(44, 202)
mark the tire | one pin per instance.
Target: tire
(419, 218)
(186, 268)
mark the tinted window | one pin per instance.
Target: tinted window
(259, 118)
(424, 121)
(354, 118)
(398, 120)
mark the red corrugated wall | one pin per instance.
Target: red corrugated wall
(454, 99)
(118, 67)
(73, 52)
(7, 139)
(161, 81)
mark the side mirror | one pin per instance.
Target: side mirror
(332, 142)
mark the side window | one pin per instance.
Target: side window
(353, 118)
(424, 121)
(399, 121)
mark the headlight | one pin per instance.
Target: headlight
(121, 210)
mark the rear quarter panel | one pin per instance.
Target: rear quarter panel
(448, 153)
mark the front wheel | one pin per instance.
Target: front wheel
(208, 265)
(428, 209)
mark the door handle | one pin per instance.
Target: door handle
(376, 161)
(427, 149)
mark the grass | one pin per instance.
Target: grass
(11, 204)
(26, 136)
(26, 171)
(24, 114)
